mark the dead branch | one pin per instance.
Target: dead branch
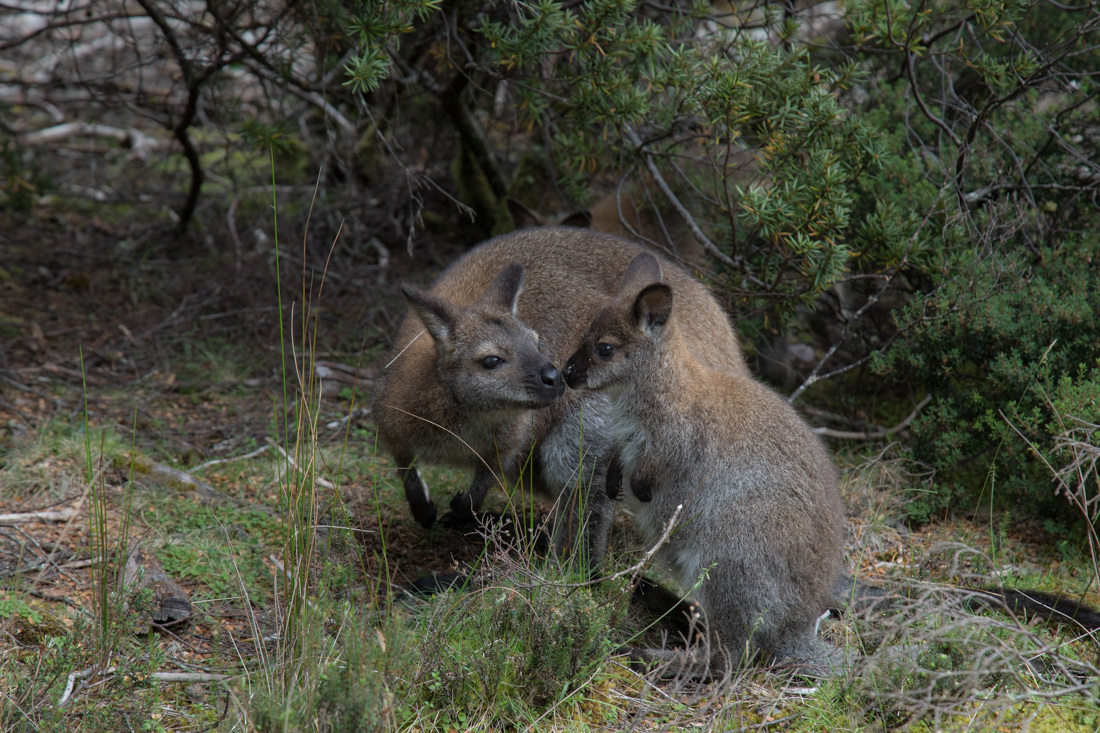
(140, 143)
(634, 570)
(323, 482)
(59, 515)
(160, 676)
(877, 434)
(700, 237)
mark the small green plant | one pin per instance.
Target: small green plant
(19, 187)
(10, 607)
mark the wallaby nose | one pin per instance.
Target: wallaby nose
(551, 377)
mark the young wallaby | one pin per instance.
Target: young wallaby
(472, 366)
(761, 528)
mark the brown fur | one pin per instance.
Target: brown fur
(420, 404)
(762, 522)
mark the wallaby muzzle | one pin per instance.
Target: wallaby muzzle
(576, 369)
(550, 385)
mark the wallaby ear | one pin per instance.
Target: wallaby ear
(438, 315)
(504, 291)
(522, 215)
(642, 271)
(579, 219)
(652, 307)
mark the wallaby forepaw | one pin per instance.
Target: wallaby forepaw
(462, 506)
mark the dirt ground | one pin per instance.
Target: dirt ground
(180, 354)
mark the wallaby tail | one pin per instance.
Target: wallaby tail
(858, 597)
(1050, 607)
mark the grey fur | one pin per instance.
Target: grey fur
(762, 522)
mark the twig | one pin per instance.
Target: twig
(188, 677)
(140, 143)
(59, 515)
(55, 599)
(78, 564)
(874, 434)
(231, 224)
(159, 676)
(639, 566)
(73, 677)
(399, 353)
(323, 482)
(702, 238)
(312, 97)
(354, 414)
(216, 461)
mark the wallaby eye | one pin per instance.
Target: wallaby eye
(605, 350)
(491, 362)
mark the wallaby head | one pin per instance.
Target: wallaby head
(625, 331)
(484, 354)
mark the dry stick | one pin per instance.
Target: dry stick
(325, 483)
(305, 94)
(875, 434)
(635, 569)
(216, 461)
(815, 375)
(65, 531)
(159, 676)
(60, 515)
(37, 392)
(74, 565)
(71, 129)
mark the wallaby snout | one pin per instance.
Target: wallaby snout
(552, 382)
(576, 369)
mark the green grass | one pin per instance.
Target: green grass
(525, 651)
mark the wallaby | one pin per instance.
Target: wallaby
(761, 527)
(478, 389)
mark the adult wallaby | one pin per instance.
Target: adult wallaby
(761, 528)
(470, 382)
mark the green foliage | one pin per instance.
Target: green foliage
(220, 561)
(10, 607)
(361, 683)
(377, 26)
(617, 92)
(986, 205)
(1023, 357)
(510, 652)
(33, 680)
